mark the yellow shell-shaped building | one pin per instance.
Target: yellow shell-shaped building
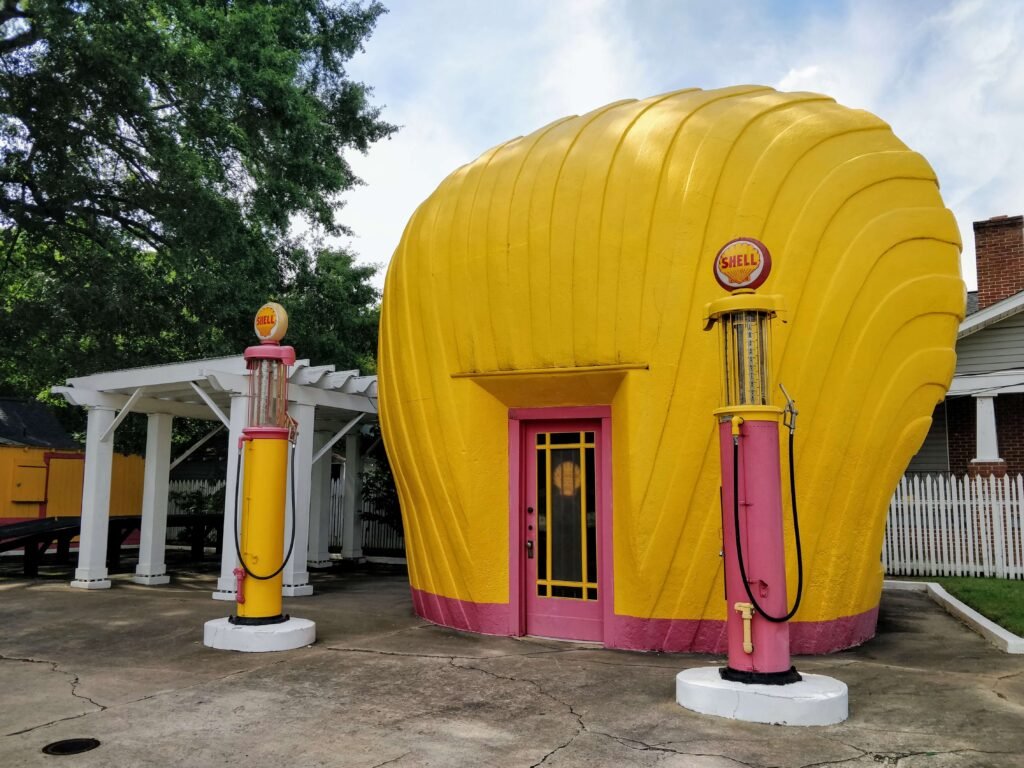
(546, 388)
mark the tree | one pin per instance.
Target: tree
(153, 157)
(334, 310)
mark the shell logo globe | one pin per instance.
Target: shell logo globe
(271, 322)
(742, 263)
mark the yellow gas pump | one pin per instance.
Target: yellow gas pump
(260, 624)
(266, 439)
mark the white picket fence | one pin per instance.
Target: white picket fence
(943, 525)
(207, 487)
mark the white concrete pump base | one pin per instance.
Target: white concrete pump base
(225, 636)
(815, 700)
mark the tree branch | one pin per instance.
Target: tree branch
(8, 256)
(24, 40)
(10, 11)
(135, 228)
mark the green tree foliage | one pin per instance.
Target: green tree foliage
(378, 484)
(154, 155)
(333, 308)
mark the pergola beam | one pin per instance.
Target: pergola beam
(341, 433)
(324, 398)
(157, 375)
(123, 414)
(195, 446)
(92, 399)
(209, 401)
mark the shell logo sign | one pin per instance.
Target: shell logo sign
(271, 322)
(742, 263)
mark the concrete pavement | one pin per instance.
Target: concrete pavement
(381, 687)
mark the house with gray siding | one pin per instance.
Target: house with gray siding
(979, 428)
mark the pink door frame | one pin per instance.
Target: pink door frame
(518, 419)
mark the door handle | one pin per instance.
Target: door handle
(529, 549)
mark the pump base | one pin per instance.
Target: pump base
(788, 677)
(815, 700)
(283, 636)
(258, 621)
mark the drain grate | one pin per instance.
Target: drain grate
(70, 746)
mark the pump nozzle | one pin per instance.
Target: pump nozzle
(790, 412)
(736, 422)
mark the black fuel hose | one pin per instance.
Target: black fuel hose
(796, 534)
(291, 543)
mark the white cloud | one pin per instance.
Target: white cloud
(462, 76)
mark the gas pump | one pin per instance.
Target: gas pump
(759, 682)
(259, 623)
(748, 428)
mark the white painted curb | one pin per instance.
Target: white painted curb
(286, 636)
(815, 700)
(1001, 638)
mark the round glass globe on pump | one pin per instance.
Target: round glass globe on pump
(271, 323)
(742, 264)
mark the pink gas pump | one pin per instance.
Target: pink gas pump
(759, 682)
(748, 429)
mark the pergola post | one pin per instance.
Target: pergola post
(91, 572)
(320, 507)
(152, 569)
(351, 519)
(226, 586)
(296, 578)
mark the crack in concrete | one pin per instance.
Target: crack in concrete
(657, 667)
(861, 756)
(74, 683)
(643, 746)
(219, 678)
(445, 656)
(392, 760)
(582, 726)
(894, 758)
(556, 749)
(921, 670)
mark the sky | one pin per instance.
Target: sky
(460, 77)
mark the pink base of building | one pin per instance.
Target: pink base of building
(636, 634)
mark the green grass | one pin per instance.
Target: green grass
(1001, 600)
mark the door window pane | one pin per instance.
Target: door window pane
(591, 502)
(566, 520)
(566, 525)
(541, 515)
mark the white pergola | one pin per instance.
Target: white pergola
(327, 405)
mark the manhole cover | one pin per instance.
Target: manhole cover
(70, 746)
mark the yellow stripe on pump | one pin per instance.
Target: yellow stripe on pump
(262, 533)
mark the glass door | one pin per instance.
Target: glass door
(561, 530)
